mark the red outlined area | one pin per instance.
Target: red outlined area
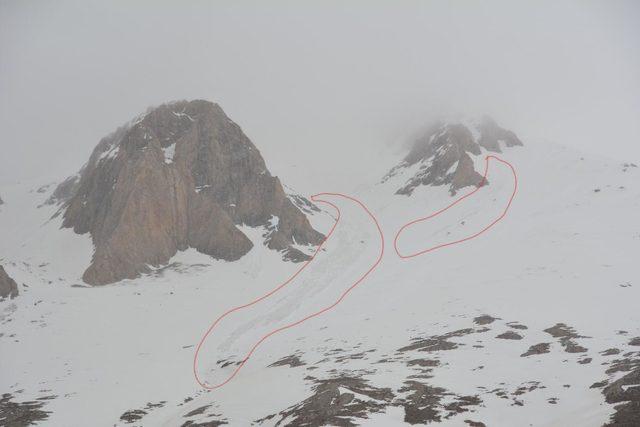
(315, 198)
(455, 202)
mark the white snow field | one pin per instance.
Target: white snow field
(417, 341)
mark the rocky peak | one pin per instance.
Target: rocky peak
(8, 286)
(182, 175)
(444, 154)
(492, 137)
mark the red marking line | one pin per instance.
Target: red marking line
(285, 283)
(455, 202)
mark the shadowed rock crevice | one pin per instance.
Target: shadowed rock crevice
(182, 175)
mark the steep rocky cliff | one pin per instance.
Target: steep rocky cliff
(8, 286)
(444, 154)
(182, 175)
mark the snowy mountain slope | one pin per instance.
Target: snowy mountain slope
(515, 325)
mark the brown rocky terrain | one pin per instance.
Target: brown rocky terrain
(182, 175)
(8, 286)
(444, 154)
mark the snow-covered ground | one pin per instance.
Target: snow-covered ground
(565, 256)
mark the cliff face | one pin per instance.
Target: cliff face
(8, 287)
(444, 154)
(183, 175)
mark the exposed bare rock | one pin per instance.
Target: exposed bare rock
(292, 361)
(8, 286)
(540, 348)
(22, 414)
(566, 335)
(626, 393)
(436, 342)
(423, 403)
(182, 175)
(209, 423)
(198, 411)
(492, 136)
(204, 410)
(303, 204)
(429, 363)
(510, 335)
(135, 415)
(527, 387)
(65, 190)
(628, 362)
(516, 325)
(444, 154)
(336, 402)
(485, 319)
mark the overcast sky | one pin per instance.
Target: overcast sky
(316, 79)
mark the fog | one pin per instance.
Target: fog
(320, 87)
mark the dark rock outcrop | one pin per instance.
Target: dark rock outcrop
(566, 335)
(510, 335)
(341, 401)
(22, 414)
(183, 175)
(8, 286)
(536, 349)
(625, 393)
(65, 190)
(492, 135)
(445, 154)
(484, 319)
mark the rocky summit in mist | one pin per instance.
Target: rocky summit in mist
(443, 154)
(181, 176)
